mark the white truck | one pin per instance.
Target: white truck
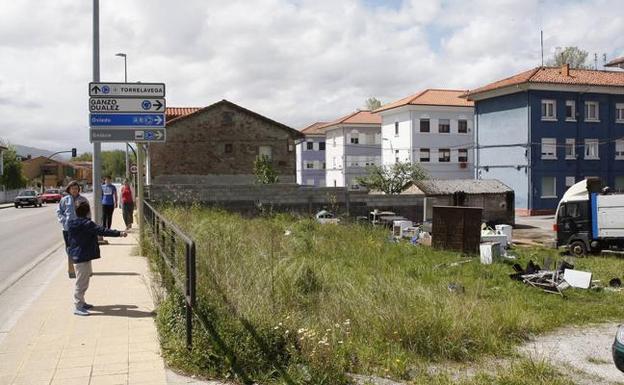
(588, 220)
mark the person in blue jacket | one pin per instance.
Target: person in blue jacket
(83, 248)
(65, 212)
(109, 202)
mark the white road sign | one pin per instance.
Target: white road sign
(141, 90)
(116, 105)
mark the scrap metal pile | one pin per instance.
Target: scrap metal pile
(551, 281)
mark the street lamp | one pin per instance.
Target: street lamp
(124, 56)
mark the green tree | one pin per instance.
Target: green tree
(373, 103)
(575, 57)
(392, 179)
(114, 163)
(12, 177)
(84, 157)
(264, 171)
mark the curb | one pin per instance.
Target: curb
(26, 269)
(6, 207)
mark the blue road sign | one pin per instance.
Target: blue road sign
(127, 120)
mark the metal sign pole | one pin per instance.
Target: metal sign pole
(140, 192)
(97, 147)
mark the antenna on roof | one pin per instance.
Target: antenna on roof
(542, 45)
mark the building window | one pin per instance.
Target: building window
(462, 126)
(229, 148)
(324, 165)
(444, 155)
(570, 110)
(570, 148)
(309, 145)
(310, 165)
(266, 151)
(396, 128)
(444, 126)
(396, 156)
(355, 137)
(462, 155)
(591, 112)
(619, 113)
(569, 181)
(549, 148)
(619, 183)
(321, 146)
(549, 187)
(424, 155)
(549, 110)
(424, 125)
(619, 149)
(591, 149)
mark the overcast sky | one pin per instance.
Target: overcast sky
(296, 61)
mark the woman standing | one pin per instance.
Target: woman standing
(127, 204)
(65, 212)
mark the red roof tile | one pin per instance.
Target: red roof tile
(360, 117)
(313, 129)
(617, 62)
(556, 75)
(176, 112)
(431, 97)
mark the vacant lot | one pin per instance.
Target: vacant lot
(286, 300)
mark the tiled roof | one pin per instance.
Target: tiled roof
(313, 129)
(431, 97)
(176, 112)
(363, 117)
(617, 62)
(556, 75)
(450, 186)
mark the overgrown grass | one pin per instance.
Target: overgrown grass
(287, 300)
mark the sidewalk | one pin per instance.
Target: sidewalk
(116, 344)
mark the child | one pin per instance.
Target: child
(83, 247)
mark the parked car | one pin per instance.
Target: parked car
(618, 348)
(52, 195)
(28, 198)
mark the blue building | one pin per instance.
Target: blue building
(311, 156)
(542, 130)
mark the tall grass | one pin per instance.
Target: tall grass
(290, 301)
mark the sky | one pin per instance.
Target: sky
(294, 61)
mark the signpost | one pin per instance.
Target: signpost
(128, 112)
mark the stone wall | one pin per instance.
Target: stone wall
(253, 199)
(223, 139)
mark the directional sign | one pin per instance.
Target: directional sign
(152, 135)
(141, 90)
(117, 105)
(127, 120)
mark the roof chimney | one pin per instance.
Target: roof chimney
(565, 69)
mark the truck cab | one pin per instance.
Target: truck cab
(587, 220)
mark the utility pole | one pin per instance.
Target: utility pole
(97, 146)
(125, 57)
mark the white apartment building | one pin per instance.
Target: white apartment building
(352, 143)
(433, 128)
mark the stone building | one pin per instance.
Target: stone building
(218, 144)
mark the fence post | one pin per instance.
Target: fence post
(187, 299)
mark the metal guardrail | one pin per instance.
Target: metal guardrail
(168, 238)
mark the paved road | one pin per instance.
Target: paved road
(25, 234)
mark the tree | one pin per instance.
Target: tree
(373, 103)
(84, 157)
(114, 163)
(575, 57)
(392, 179)
(12, 177)
(264, 171)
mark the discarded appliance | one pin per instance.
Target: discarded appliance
(490, 252)
(577, 278)
(551, 281)
(375, 216)
(399, 228)
(507, 230)
(500, 239)
(325, 216)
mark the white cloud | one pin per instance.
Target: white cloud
(293, 61)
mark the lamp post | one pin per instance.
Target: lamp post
(125, 57)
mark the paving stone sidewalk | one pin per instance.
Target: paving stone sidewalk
(116, 344)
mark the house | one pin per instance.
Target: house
(542, 130)
(218, 144)
(433, 128)
(353, 142)
(496, 198)
(311, 156)
(51, 172)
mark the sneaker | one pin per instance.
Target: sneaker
(87, 306)
(81, 311)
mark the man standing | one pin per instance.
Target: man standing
(65, 212)
(109, 201)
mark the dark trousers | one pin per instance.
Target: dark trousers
(127, 209)
(107, 215)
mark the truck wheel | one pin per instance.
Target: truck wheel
(578, 249)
